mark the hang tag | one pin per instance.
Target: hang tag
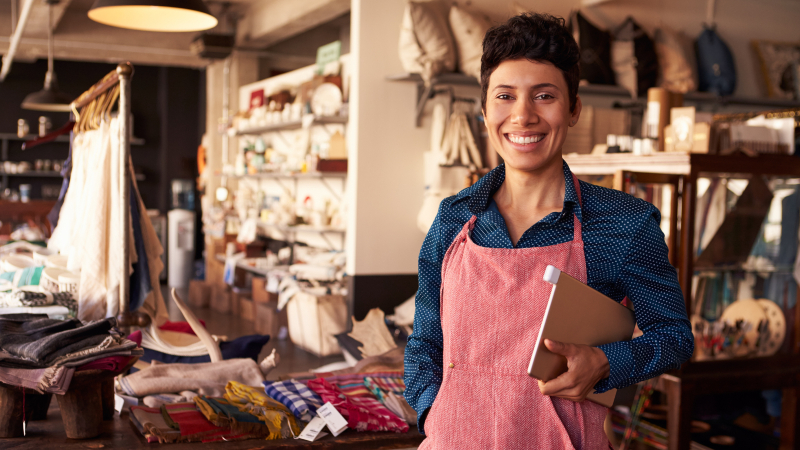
(313, 430)
(124, 402)
(336, 423)
(24, 428)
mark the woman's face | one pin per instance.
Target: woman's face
(527, 113)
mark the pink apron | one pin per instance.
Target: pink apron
(492, 304)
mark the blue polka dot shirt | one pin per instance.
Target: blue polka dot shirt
(625, 256)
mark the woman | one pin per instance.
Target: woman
(481, 296)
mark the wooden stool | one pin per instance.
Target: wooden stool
(11, 406)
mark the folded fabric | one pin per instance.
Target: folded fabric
(150, 438)
(109, 363)
(350, 385)
(54, 380)
(385, 382)
(241, 347)
(400, 407)
(155, 401)
(206, 378)
(26, 297)
(212, 412)
(110, 346)
(152, 421)
(296, 396)
(239, 421)
(363, 413)
(257, 402)
(29, 276)
(194, 427)
(36, 339)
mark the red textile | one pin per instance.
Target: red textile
(180, 327)
(493, 301)
(191, 421)
(113, 363)
(363, 413)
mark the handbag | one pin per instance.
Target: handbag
(716, 68)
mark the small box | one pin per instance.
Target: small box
(247, 309)
(199, 294)
(259, 290)
(220, 299)
(268, 319)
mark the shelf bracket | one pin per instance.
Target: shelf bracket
(330, 189)
(424, 93)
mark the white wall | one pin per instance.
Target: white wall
(385, 147)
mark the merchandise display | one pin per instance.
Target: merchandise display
(426, 42)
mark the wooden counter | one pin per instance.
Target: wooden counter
(121, 434)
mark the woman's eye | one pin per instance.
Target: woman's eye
(544, 97)
(504, 97)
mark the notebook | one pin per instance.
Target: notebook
(577, 314)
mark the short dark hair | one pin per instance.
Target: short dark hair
(535, 37)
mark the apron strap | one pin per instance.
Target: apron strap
(577, 228)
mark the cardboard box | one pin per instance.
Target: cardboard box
(259, 291)
(220, 299)
(247, 309)
(199, 294)
(268, 319)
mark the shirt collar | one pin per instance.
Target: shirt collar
(479, 194)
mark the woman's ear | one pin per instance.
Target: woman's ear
(576, 112)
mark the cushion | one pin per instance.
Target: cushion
(595, 47)
(675, 61)
(426, 44)
(634, 58)
(468, 31)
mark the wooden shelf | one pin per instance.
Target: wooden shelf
(301, 228)
(49, 174)
(62, 138)
(290, 176)
(294, 125)
(683, 164)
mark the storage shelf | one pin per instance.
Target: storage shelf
(294, 125)
(290, 176)
(62, 138)
(425, 93)
(683, 163)
(301, 228)
(49, 174)
(256, 270)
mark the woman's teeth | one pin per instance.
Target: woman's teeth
(525, 139)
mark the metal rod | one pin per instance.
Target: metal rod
(13, 16)
(125, 71)
(50, 38)
(15, 38)
(96, 90)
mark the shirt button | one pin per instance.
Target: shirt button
(452, 365)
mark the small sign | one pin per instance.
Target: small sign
(313, 430)
(328, 53)
(336, 423)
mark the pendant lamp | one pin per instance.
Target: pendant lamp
(49, 98)
(153, 15)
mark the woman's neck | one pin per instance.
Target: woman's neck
(525, 198)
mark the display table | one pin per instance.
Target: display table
(120, 433)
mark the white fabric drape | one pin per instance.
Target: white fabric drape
(89, 231)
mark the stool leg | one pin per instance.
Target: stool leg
(107, 394)
(10, 411)
(82, 411)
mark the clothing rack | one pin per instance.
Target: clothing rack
(122, 77)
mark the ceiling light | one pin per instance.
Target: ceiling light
(49, 98)
(154, 15)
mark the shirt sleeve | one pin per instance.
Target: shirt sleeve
(423, 354)
(649, 280)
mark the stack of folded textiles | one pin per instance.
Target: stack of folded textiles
(179, 422)
(42, 354)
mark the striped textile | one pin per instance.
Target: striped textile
(301, 400)
(270, 411)
(363, 412)
(29, 276)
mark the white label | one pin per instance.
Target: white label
(336, 423)
(119, 403)
(313, 430)
(653, 113)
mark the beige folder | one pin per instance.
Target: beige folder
(577, 314)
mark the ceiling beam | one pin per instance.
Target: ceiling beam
(267, 22)
(37, 22)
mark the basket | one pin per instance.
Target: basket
(40, 256)
(69, 283)
(49, 281)
(59, 261)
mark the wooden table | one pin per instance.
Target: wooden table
(119, 433)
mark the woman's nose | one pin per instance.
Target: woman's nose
(524, 112)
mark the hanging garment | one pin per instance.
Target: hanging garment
(88, 231)
(487, 399)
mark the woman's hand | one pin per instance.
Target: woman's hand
(585, 367)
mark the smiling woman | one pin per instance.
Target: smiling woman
(481, 295)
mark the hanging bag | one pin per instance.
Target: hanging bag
(715, 65)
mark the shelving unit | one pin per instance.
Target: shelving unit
(779, 371)
(294, 125)
(425, 93)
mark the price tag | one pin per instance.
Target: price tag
(313, 430)
(336, 423)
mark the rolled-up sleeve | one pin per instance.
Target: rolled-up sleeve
(423, 355)
(651, 283)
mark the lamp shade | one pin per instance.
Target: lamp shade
(49, 98)
(153, 15)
